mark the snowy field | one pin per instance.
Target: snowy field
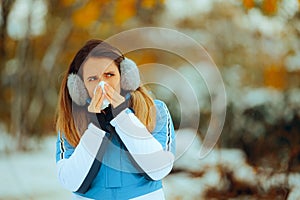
(31, 175)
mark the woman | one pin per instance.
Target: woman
(116, 151)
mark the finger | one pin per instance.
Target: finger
(96, 101)
(92, 108)
(99, 102)
(97, 92)
(113, 97)
(95, 107)
(112, 93)
(109, 93)
(109, 90)
(108, 98)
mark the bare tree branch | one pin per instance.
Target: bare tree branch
(48, 62)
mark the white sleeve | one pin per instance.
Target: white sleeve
(76, 172)
(147, 152)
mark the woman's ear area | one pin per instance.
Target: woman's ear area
(77, 89)
(130, 76)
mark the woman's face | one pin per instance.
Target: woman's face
(100, 69)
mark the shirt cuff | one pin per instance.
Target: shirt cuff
(120, 117)
(96, 130)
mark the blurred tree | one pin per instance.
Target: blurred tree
(248, 4)
(124, 10)
(5, 8)
(270, 6)
(32, 64)
(67, 3)
(87, 14)
(5, 93)
(275, 76)
(35, 59)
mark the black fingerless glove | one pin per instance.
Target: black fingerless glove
(126, 104)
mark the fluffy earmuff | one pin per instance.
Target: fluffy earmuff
(77, 89)
(130, 76)
(130, 81)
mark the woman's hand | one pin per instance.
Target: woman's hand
(97, 100)
(113, 96)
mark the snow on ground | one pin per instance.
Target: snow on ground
(32, 175)
(184, 185)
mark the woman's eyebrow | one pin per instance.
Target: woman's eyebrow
(110, 71)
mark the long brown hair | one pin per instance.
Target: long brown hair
(71, 119)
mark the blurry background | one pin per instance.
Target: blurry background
(254, 43)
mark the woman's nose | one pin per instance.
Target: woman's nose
(100, 79)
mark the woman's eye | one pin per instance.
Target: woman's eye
(92, 79)
(109, 75)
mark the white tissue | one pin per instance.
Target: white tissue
(105, 102)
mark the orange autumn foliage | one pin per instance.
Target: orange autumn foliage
(270, 6)
(248, 4)
(67, 3)
(275, 76)
(120, 11)
(86, 15)
(148, 3)
(144, 57)
(124, 10)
